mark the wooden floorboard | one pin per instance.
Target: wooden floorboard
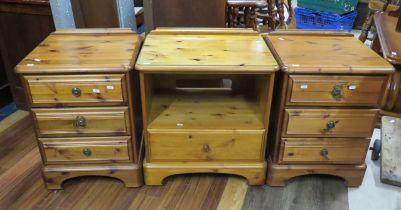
(302, 193)
(22, 187)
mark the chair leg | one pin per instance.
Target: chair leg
(366, 27)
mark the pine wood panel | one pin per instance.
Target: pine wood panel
(65, 150)
(205, 50)
(308, 150)
(314, 122)
(198, 146)
(197, 110)
(354, 90)
(304, 51)
(99, 121)
(92, 50)
(280, 174)
(156, 172)
(57, 89)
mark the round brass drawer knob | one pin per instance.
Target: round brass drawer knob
(336, 92)
(87, 152)
(76, 92)
(324, 153)
(80, 122)
(330, 125)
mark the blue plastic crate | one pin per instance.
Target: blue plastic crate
(313, 19)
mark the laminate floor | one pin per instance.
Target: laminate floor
(302, 193)
(21, 187)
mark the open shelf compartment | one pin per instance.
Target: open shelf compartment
(207, 102)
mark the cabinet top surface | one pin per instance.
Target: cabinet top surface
(324, 52)
(205, 50)
(83, 50)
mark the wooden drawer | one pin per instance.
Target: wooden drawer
(76, 89)
(329, 122)
(82, 121)
(206, 146)
(329, 150)
(336, 90)
(94, 149)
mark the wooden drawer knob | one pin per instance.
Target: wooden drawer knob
(80, 122)
(206, 148)
(87, 152)
(76, 92)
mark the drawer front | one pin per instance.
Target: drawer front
(102, 149)
(329, 122)
(322, 151)
(82, 121)
(336, 90)
(76, 89)
(206, 146)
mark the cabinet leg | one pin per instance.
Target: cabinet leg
(280, 174)
(130, 174)
(155, 173)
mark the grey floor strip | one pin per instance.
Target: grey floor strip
(302, 193)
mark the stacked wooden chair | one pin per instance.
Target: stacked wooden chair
(374, 6)
(261, 15)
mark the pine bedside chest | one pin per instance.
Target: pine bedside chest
(206, 96)
(327, 99)
(85, 103)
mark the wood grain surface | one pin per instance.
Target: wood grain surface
(57, 90)
(205, 111)
(205, 50)
(340, 151)
(314, 122)
(353, 90)
(198, 146)
(315, 52)
(84, 50)
(23, 187)
(99, 149)
(103, 121)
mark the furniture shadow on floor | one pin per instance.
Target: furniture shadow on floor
(304, 192)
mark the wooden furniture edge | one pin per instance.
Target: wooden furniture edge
(275, 54)
(280, 174)
(185, 30)
(92, 31)
(385, 47)
(55, 176)
(20, 69)
(254, 172)
(326, 70)
(226, 69)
